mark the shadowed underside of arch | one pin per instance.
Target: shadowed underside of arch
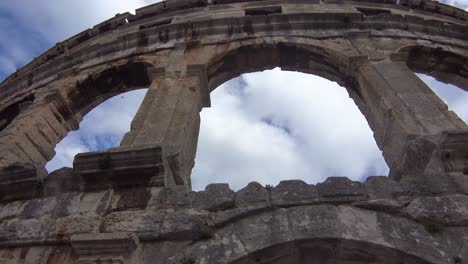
(132, 204)
(330, 251)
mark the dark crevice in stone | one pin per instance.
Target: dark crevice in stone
(12, 111)
(372, 11)
(263, 11)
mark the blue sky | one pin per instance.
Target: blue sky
(266, 127)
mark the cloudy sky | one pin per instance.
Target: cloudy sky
(264, 127)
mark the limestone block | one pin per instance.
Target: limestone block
(39, 207)
(11, 210)
(381, 187)
(62, 181)
(161, 250)
(341, 189)
(146, 223)
(173, 197)
(225, 249)
(36, 255)
(449, 210)
(384, 205)
(455, 151)
(132, 199)
(48, 254)
(10, 255)
(294, 192)
(26, 229)
(77, 224)
(253, 194)
(130, 167)
(95, 202)
(103, 248)
(215, 197)
(264, 229)
(413, 239)
(186, 225)
(308, 221)
(67, 204)
(221, 218)
(19, 181)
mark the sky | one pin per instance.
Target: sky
(266, 127)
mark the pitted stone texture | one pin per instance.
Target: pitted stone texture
(11, 210)
(39, 207)
(104, 248)
(164, 224)
(448, 210)
(62, 181)
(77, 224)
(372, 48)
(381, 187)
(174, 197)
(132, 199)
(293, 192)
(384, 205)
(254, 194)
(25, 229)
(215, 197)
(341, 189)
(19, 181)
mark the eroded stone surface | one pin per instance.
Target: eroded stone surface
(449, 210)
(133, 204)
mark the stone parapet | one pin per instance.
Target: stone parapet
(100, 232)
(19, 181)
(120, 168)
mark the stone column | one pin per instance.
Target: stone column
(170, 117)
(406, 116)
(32, 135)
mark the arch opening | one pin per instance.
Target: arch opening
(287, 56)
(445, 72)
(99, 87)
(455, 98)
(445, 66)
(333, 251)
(280, 125)
(101, 128)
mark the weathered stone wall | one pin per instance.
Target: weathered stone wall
(218, 225)
(133, 204)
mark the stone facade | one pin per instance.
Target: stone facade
(134, 204)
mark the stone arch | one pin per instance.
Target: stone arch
(99, 86)
(134, 199)
(45, 117)
(439, 62)
(316, 234)
(293, 56)
(329, 250)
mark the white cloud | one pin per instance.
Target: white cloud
(30, 27)
(315, 131)
(101, 128)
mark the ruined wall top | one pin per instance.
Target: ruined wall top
(55, 61)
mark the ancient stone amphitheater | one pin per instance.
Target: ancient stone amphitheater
(134, 204)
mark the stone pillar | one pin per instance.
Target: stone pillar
(33, 134)
(406, 116)
(170, 117)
